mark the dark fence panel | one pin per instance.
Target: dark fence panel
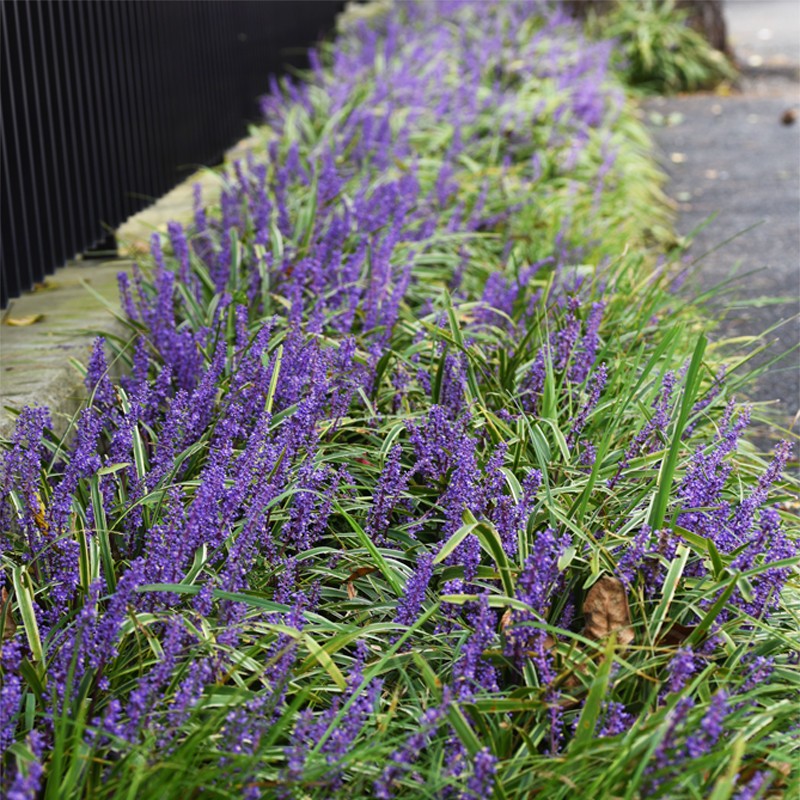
(107, 103)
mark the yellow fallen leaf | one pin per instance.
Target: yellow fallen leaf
(38, 515)
(19, 322)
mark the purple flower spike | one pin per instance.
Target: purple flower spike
(484, 766)
(681, 668)
(10, 693)
(615, 719)
(391, 485)
(411, 602)
(752, 788)
(403, 759)
(710, 727)
(97, 382)
(473, 670)
(27, 783)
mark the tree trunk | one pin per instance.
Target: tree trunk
(579, 9)
(706, 17)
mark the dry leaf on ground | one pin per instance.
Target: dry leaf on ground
(357, 573)
(677, 634)
(606, 611)
(360, 572)
(20, 322)
(9, 626)
(505, 620)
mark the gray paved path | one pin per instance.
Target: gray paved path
(734, 157)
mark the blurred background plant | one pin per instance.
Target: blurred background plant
(664, 46)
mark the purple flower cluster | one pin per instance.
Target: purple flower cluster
(21, 469)
(744, 527)
(10, 692)
(391, 485)
(646, 556)
(681, 668)
(646, 440)
(540, 578)
(248, 723)
(681, 743)
(403, 759)
(473, 670)
(414, 595)
(26, 783)
(571, 352)
(752, 788)
(710, 727)
(595, 386)
(614, 719)
(333, 732)
(481, 781)
(510, 516)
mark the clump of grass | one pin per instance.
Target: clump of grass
(419, 480)
(657, 51)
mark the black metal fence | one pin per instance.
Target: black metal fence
(106, 103)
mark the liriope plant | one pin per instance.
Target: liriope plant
(420, 480)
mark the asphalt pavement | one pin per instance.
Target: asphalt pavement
(734, 156)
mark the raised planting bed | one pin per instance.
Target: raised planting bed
(420, 481)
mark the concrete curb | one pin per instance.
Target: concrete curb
(37, 360)
(63, 317)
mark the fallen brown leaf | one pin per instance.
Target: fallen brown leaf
(606, 611)
(359, 573)
(677, 634)
(135, 248)
(505, 620)
(356, 573)
(782, 767)
(9, 626)
(20, 322)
